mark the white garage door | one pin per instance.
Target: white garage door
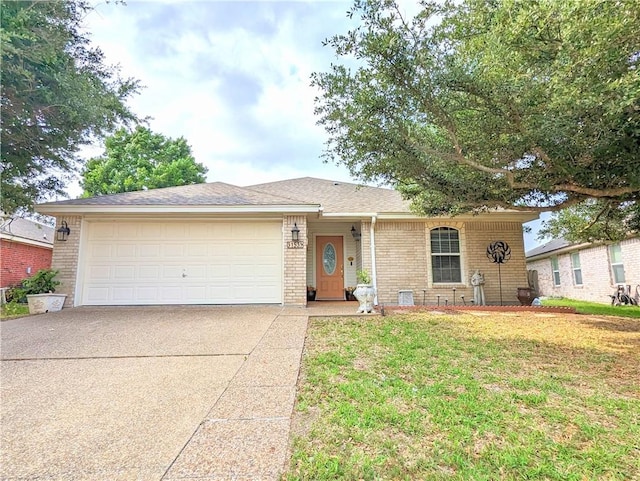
(134, 263)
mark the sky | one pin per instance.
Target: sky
(232, 78)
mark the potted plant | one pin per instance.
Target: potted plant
(40, 291)
(311, 293)
(348, 293)
(364, 292)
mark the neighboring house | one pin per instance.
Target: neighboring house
(25, 248)
(221, 244)
(590, 272)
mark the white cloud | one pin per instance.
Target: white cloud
(231, 77)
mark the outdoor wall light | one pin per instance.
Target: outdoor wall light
(63, 231)
(354, 233)
(295, 232)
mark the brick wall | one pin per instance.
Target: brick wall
(400, 259)
(404, 261)
(295, 262)
(19, 261)
(597, 277)
(65, 258)
(513, 273)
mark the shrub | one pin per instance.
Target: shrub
(363, 277)
(41, 283)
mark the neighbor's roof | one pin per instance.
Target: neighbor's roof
(337, 197)
(549, 247)
(19, 229)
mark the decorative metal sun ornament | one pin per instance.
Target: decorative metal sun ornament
(499, 252)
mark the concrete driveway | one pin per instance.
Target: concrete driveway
(159, 393)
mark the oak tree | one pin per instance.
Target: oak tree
(474, 105)
(58, 94)
(141, 159)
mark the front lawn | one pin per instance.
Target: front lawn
(468, 397)
(13, 310)
(584, 307)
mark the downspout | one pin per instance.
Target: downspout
(374, 276)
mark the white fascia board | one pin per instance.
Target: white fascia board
(349, 215)
(521, 216)
(504, 216)
(174, 209)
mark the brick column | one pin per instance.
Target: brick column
(65, 258)
(295, 262)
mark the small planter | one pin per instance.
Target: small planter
(526, 295)
(41, 303)
(365, 294)
(348, 295)
(311, 295)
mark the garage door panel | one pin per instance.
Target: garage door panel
(148, 273)
(183, 263)
(97, 295)
(171, 273)
(124, 273)
(172, 293)
(124, 251)
(147, 293)
(128, 231)
(195, 293)
(101, 251)
(196, 273)
(99, 273)
(172, 250)
(149, 250)
(147, 231)
(197, 250)
(123, 294)
(102, 231)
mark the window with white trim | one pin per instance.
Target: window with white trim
(555, 268)
(577, 268)
(445, 255)
(617, 267)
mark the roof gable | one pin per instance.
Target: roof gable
(337, 197)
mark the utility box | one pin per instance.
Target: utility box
(405, 298)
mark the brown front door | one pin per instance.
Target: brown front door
(329, 268)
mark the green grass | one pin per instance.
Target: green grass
(458, 397)
(584, 307)
(12, 310)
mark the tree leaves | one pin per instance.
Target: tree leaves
(139, 160)
(57, 95)
(472, 105)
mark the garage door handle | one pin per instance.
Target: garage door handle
(184, 275)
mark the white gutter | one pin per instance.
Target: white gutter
(499, 216)
(374, 275)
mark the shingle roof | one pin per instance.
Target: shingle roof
(552, 245)
(215, 193)
(336, 197)
(20, 228)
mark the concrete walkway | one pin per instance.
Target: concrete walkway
(160, 393)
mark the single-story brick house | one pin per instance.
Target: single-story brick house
(25, 248)
(217, 243)
(589, 272)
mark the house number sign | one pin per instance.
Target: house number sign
(295, 245)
